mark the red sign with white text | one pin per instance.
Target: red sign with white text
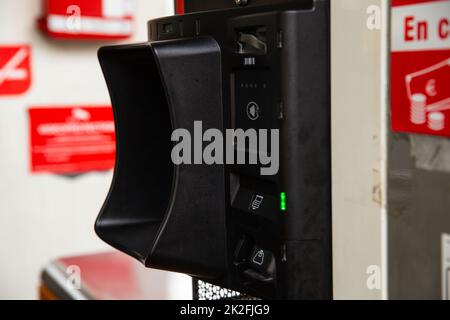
(87, 19)
(15, 74)
(420, 66)
(72, 140)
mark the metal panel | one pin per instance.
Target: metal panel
(359, 117)
(419, 202)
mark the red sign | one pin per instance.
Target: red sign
(70, 140)
(420, 67)
(179, 7)
(15, 74)
(87, 19)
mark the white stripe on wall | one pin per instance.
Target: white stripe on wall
(89, 25)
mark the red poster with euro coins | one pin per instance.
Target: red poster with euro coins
(72, 139)
(420, 67)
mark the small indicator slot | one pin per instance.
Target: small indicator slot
(252, 41)
(167, 28)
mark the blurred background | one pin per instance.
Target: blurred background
(49, 211)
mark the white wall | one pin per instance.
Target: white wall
(359, 62)
(43, 216)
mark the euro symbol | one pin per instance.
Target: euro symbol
(431, 88)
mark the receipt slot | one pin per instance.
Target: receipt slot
(254, 67)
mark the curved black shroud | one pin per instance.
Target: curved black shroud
(168, 217)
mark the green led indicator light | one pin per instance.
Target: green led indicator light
(283, 201)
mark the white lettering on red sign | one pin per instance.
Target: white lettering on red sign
(72, 139)
(423, 26)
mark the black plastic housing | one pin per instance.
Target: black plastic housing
(156, 211)
(195, 219)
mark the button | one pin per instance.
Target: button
(255, 202)
(262, 261)
(253, 111)
(254, 108)
(261, 266)
(258, 257)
